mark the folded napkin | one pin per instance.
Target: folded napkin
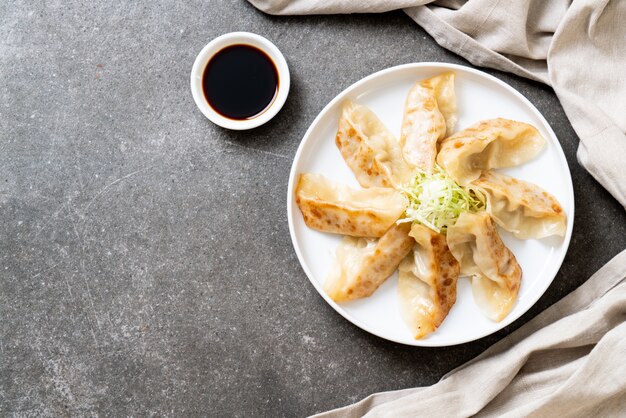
(570, 360)
(578, 47)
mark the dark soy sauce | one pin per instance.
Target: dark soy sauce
(240, 82)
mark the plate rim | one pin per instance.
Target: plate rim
(307, 137)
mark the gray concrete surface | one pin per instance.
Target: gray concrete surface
(145, 261)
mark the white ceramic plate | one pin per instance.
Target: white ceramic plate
(479, 96)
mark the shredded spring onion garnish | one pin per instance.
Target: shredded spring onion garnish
(436, 201)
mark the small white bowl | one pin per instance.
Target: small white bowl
(235, 38)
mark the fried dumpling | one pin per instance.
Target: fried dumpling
(522, 208)
(427, 281)
(362, 265)
(424, 124)
(494, 143)
(333, 207)
(495, 273)
(371, 151)
(443, 86)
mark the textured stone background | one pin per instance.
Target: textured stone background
(146, 266)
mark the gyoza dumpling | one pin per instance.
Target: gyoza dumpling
(522, 208)
(495, 143)
(443, 85)
(361, 265)
(496, 275)
(371, 151)
(429, 112)
(333, 207)
(427, 281)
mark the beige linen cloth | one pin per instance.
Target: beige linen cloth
(578, 47)
(571, 359)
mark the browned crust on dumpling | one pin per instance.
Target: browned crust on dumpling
(509, 269)
(343, 217)
(446, 275)
(330, 217)
(423, 126)
(443, 86)
(377, 266)
(358, 155)
(442, 279)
